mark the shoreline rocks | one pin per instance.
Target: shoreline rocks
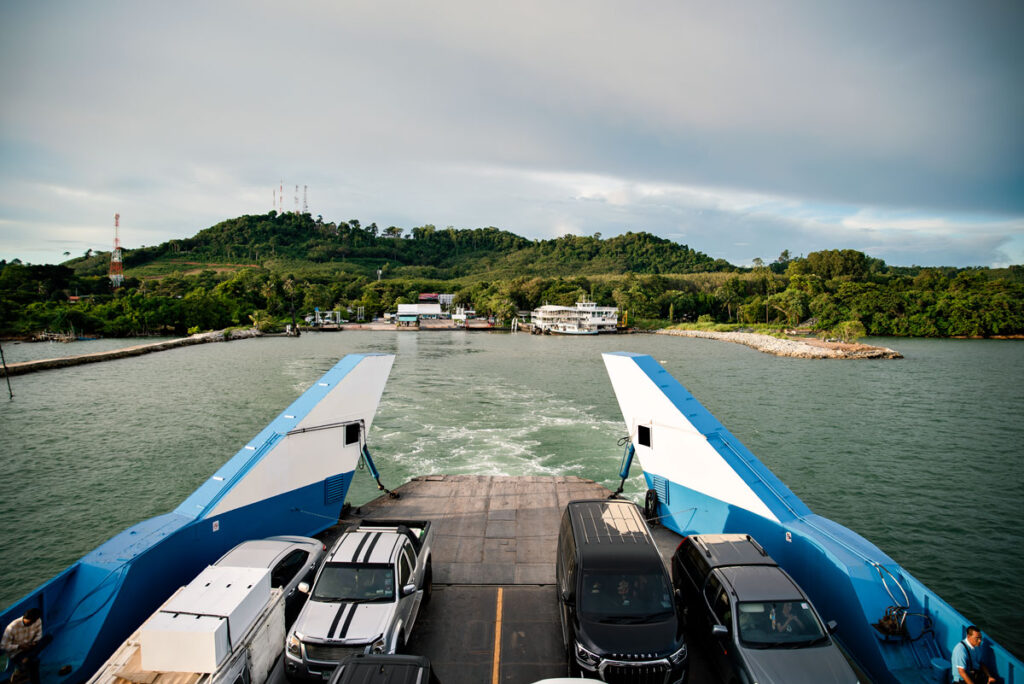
(799, 349)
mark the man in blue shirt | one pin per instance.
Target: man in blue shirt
(966, 660)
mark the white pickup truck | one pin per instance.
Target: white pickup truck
(365, 599)
(226, 625)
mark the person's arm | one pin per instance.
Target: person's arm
(959, 661)
(7, 643)
(964, 676)
(984, 668)
(36, 633)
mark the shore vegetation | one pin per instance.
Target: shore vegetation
(272, 269)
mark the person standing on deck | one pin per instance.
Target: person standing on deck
(23, 639)
(966, 660)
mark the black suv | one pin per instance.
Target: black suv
(763, 627)
(619, 619)
(367, 668)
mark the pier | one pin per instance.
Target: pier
(493, 616)
(23, 367)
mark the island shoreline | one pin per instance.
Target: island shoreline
(793, 348)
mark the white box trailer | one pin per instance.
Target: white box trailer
(226, 623)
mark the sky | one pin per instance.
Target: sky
(741, 129)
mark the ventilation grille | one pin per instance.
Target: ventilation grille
(335, 488)
(660, 485)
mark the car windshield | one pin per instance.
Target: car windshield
(626, 597)
(342, 582)
(779, 624)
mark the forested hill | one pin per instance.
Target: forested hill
(258, 270)
(425, 251)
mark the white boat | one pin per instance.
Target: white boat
(586, 318)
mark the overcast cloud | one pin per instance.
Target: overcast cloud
(740, 128)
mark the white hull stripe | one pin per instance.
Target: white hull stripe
(689, 446)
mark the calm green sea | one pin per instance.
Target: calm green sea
(922, 455)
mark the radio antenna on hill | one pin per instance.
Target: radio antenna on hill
(305, 203)
(296, 199)
(116, 266)
(280, 198)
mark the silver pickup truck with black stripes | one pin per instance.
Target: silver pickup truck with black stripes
(365, 598)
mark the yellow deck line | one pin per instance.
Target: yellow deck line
(497, 641)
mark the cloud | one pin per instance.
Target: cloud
(722, 123)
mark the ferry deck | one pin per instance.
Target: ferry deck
(493, 615)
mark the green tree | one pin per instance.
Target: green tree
(849, 331)
(730, 293)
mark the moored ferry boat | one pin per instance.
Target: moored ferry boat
(586, 318)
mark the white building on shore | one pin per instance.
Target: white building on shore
(414, 313)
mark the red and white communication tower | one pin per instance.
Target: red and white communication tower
(116, 267)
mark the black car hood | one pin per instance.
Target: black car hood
(820, 665)
(630, 639)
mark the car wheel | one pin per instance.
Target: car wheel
(651, 507)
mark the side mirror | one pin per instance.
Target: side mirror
(304, 587)
(408, 589)
(719, 631)
(832, 626)
(566, 596)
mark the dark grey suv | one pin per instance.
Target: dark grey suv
(762, 626)
(619, 619)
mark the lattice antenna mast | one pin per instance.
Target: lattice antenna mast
(280, 198)
(116, 266)
(296, 199)
(305, 197)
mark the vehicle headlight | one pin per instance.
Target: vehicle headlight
(379, 646)
(294, 645)
(586, 657)
(679, 656)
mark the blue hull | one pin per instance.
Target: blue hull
(93, 605)
(708, 482)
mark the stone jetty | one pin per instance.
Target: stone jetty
(796, 348)
(24, 367)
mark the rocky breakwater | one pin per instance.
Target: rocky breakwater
(796, 348)
(137, 350)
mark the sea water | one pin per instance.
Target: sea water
(921, 455)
